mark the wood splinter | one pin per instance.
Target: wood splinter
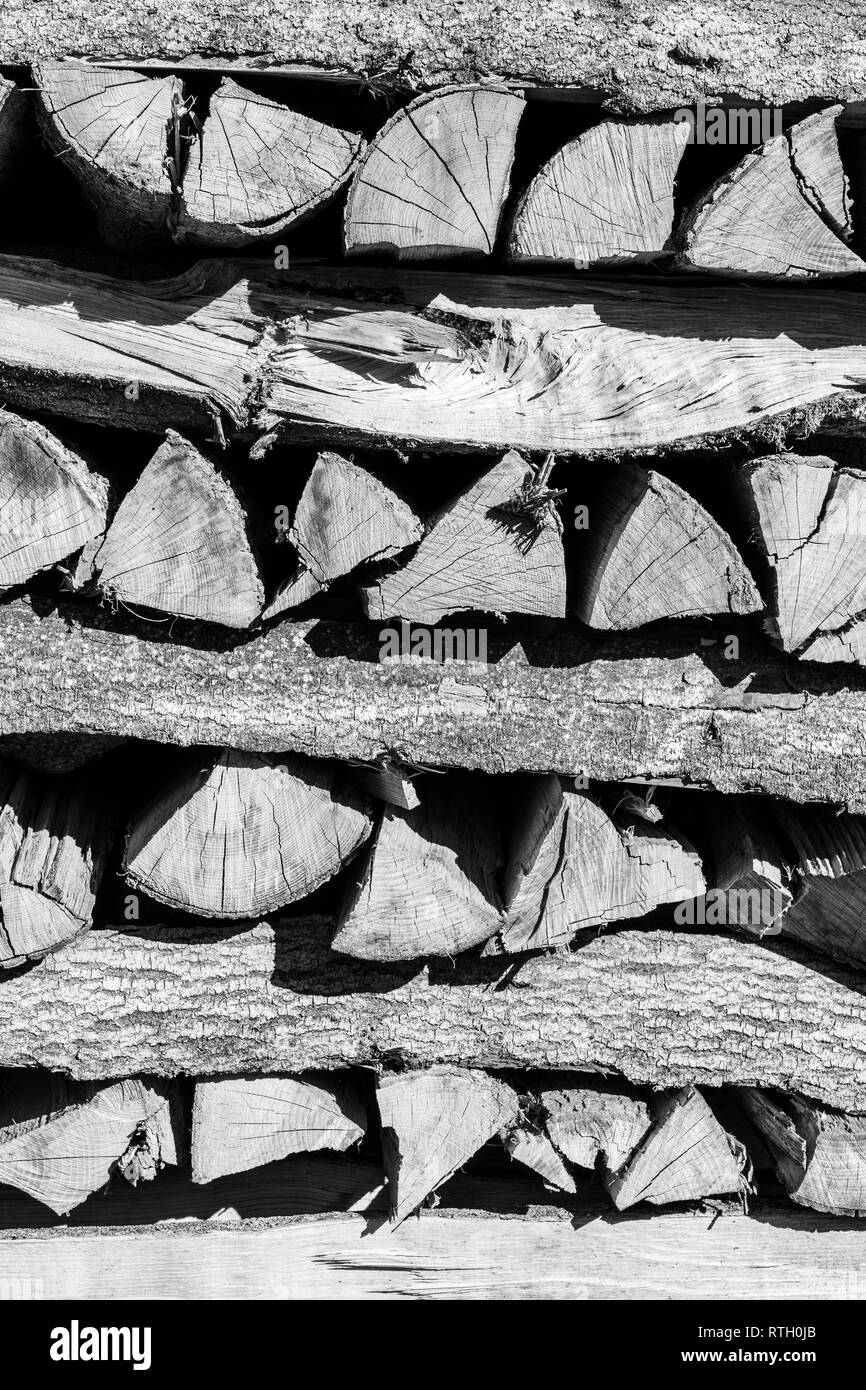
(60, 1140)
(238, 835)
(242, 1122)
(434, 180)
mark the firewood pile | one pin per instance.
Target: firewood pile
(433, 629)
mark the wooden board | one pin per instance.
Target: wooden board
(658, 1007)
(626, 707)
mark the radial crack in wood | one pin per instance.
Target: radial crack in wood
(685, 1156)
(240, 834)
(54, 840)
(242, 1122)
(433, 1121)
(178, 543)
(258, 168)
(819, 1154)
(606, 198)
(111, 129)
(808, 520)
(427, 885)
(601, 1121)
(570, 866)
(653, 552)
(496, 547)
(51, 504)
(434, 180)
(766, 216)
(345, 518)
(61, 1141)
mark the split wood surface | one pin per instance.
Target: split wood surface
(659, 1008)
(628, 709)
(442, 361)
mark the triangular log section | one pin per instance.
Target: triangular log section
(434, 180)
(807, 518)
(685, 1156)
(496, 547)
(258, 168)
(606, 198)
(769, 215)
(571, 866)
(54, 838)
(242, 1122)
(433, 1121)
(51, 504)
(427, 885)
(819, 1153)
(239, 834)
(653, 552)
(111, 129)
(178, 543)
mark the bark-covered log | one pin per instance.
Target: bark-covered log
(808, 522)
(606, 198)
(654, 552)
(646, 58)
(111, 129)
(242, 1122)
(434, 180)
(496, 548)
(662, 1008)
(768, 216)
(256, 169)
(616, 710)
(244, 834)
(447, 361)
(178, 543)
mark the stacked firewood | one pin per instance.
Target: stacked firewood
(490, 625)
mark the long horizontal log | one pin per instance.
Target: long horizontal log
(643, 57)
(615, 708)
(662, 1008)
(454, 362)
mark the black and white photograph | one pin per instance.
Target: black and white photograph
(433, 667)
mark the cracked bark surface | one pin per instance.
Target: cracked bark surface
(664, 1008)
(623, 708)
(644, 56)
(451, 362)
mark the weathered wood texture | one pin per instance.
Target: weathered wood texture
(658, 1007)
(643, 56)
(454, 362)
(789, 1255)
(620, 709)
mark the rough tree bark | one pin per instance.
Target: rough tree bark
(662, 1008)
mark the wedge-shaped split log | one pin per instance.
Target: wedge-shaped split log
(345, 518)
(111, 129)
(570, 866)
(495, 548)
(14, 122)
(178, 543)
(808, 519)
(433, 1121)
(258, 168)
(827, 855)
(427, 886)
(53, 843)
(606, 198)
(598, 1122)
(653, 552)
(242, 1122)
(777, 212)
(51, 504)
(529, 1145)
(434, 180)
(752, 874)
(819, 1154)
(61, 1141)
(238, 835)
(685, 1156)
